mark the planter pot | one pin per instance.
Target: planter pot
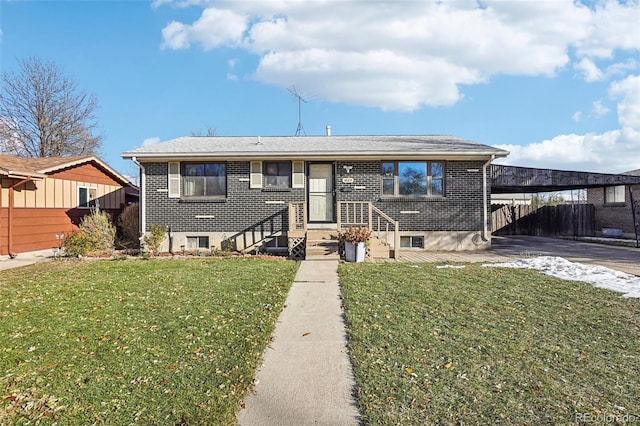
(354, 252)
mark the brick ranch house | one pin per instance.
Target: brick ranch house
(614, 209)
(292, 193)
(43, 200)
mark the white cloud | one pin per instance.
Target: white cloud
(413, 53)
(628, 91)
(577, 116)
(403, 55)
(614, 151)
(599, 110)
(215, 28)
(180, 4)
(590, 72)
(151, 141)
(613, 25)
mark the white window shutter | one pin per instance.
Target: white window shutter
(297, 180)
(256, 175)
(174, 180)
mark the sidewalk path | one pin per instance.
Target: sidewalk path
(306, 377)
(24, 259)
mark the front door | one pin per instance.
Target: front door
(321, 192)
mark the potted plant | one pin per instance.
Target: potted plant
(354, 240)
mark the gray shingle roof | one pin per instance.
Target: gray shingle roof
(314, 147)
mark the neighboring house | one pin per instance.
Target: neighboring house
(614, 213)
(249, 193)
(42, 200)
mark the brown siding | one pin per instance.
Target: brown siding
(36, 229)
(4, 249)
(85, 173)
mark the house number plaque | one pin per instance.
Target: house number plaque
(347, 180)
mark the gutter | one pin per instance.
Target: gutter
(142, 209)
(314, 155)
(12, 254)
(485, 203)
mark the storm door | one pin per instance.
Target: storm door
(321, 192)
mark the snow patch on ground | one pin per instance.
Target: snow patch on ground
(599, 276)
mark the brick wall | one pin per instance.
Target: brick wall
(613, 215)
(242, 207)
(459, 210)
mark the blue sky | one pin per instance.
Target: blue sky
(556, 82)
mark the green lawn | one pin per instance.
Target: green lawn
(142, 341)
(489, 346)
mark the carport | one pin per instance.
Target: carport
(510, 179)
(514, 179)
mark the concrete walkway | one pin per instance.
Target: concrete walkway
(306, 377)
(24, 259)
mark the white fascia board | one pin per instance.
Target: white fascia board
(312, 156)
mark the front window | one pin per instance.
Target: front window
(87, 197)
(614, 194)
(205, 179)
(413, 178)
(277, 173)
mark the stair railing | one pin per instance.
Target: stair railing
(364, 213)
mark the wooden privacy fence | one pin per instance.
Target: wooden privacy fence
(563, 219)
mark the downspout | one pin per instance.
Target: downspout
(142, 209)
(10, 215)
(485, 199)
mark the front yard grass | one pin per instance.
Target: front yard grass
(489, 346)
(146, 341)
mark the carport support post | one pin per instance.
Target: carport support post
(634, 214)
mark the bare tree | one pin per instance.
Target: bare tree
(211, 131)
(44, 114)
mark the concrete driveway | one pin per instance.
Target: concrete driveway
(625, 259)
(508, 248)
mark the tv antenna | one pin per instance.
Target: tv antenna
(295, 93)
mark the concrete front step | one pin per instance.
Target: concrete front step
(321, 244)
(331, 256)
(322, 235)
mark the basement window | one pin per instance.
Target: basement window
(199, 242)
(412, 241)
(279, 244)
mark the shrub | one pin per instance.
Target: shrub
(77, 244)
(129, 222)
(97, 235)
(154, 237)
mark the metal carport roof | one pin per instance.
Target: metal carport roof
(509, 179)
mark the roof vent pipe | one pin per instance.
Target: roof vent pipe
(328, 130)
(259, 141)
